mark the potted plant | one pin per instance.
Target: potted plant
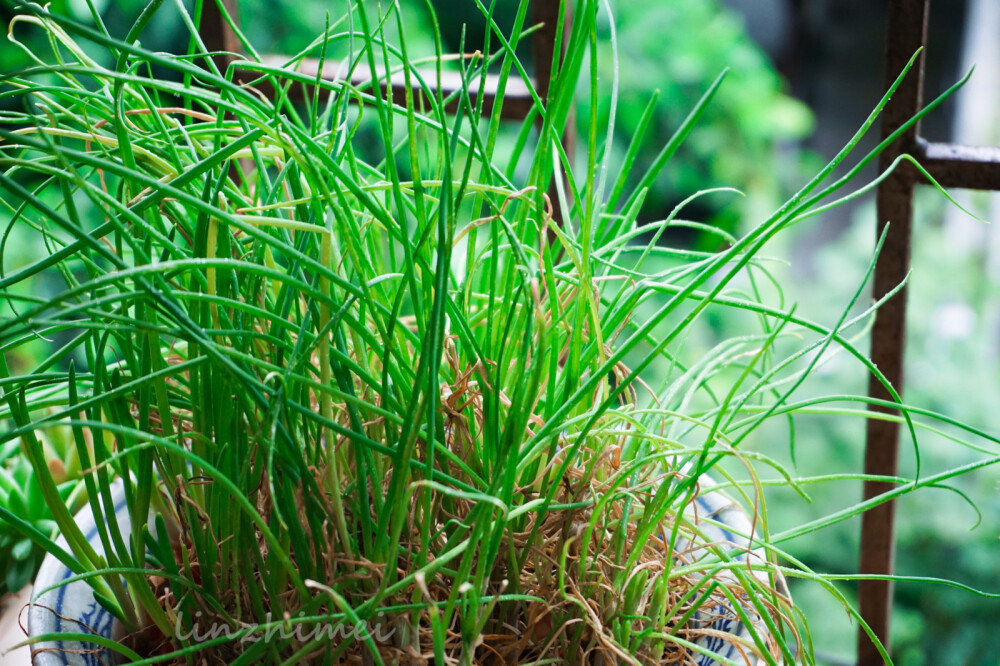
(344, 391)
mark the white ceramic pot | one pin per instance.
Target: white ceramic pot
(721, 521)
(71, 608)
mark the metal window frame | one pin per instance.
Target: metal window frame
(951, 165)
(221, 41)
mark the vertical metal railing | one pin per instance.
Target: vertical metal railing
(952, 166)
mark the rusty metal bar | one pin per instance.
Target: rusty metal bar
(546, 13)
(217, 34)
(906, 31)
(517, 101)
(953, 165)
(220, 40)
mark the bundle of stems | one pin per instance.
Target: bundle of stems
(351, 372)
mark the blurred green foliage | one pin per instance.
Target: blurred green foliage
(952, 368)
(21, 493)
(746, 139)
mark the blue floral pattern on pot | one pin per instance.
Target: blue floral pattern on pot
(722, 522)
(60, 607)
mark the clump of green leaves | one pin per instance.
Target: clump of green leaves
(21, 495)
(388, 388)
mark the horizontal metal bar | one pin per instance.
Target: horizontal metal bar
(954, 165)
(517, 100)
